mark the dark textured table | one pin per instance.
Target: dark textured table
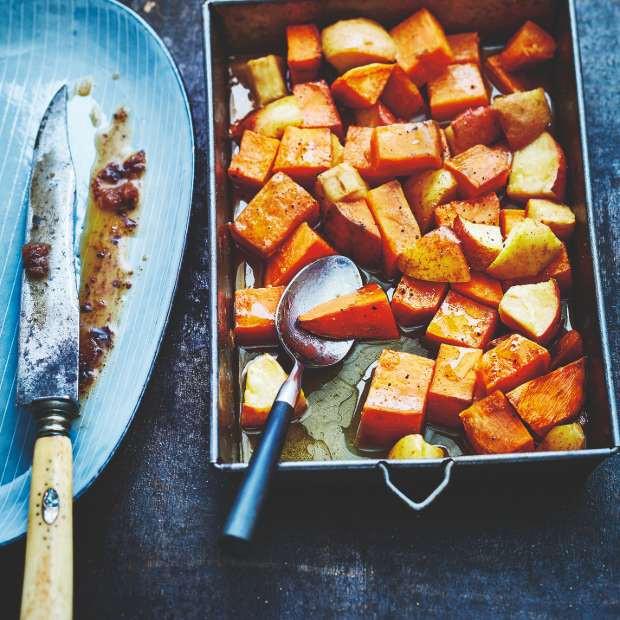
(147, 530)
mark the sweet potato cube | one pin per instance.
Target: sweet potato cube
(251, 165)
(351, 229)
(342, 182)
(401, 95)
(552, 399)
(263, 379)
(508, 218)
(512, 362)
(273, 214)
(492, 427)
(529, 45)
(456, 89)
(560, 218)
(538, 171)
(414, 301)
(481, 288)
(255, 310)
(404, 148)
(357, 151)
(482, 210)
(474, 126)
(462, 322)
(266, 78)
(361, 87)
(452, 386)
(465, 47)
(422, 48)
(425, 190)
(303, 247)
(354, 42)
(523, 116)
(480, 170)
(304, 153)
(480, 243)
(303, 44)
(395, 220)
(364, 314)
(317, 106)
(396, 401)
(567, 349)
(273, 119)
(436, 257)
(376, 115)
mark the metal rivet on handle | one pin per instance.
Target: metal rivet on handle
(51, 505)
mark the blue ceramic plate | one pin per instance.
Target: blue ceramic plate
(42, 44)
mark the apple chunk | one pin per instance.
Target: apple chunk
(532, 309)
(481, 243)
(560, 218)
(538, 170)
(527, 250)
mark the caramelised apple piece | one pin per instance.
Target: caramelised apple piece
(274, 118)
(563, 438)
(552, 399)
(342, 182)
(528, 249)
(538, 171)
(266, 78)
(414, 447)
(480, 243)
(436, 257)
(532, 309)
(560, 218)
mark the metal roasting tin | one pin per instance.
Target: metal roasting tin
(233, 27)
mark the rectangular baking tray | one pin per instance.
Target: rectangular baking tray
(234, 27)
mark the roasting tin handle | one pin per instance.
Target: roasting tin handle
(417, 506)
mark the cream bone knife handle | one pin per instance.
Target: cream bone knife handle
(48, 575)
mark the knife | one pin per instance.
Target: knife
(47, 368)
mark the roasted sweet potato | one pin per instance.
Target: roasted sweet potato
(255, 315)
(302, 248)
(482, 210)
(538, 171)
(529, 45)
(357, 152)
(480, 170)
(552, 399)
(452, 386)
(395, 221)
(568, 348)
(481, 288)
(376, 115)
(462, 322)
(251, 165)
(304, 153)
(427, 189)
(465, 47)
(303, 44)
(457, 88)
(273, 214)
(414, 447)
(362, 315)
(263, 378)
(351, 229)
(401, 95)
(422, 48)
(396, 401)
(480, 243)
(492, 427)
(512, 362)
(560, 218)
(436, 257)
(563, 438)
(474, 126)
(414, 301)
(404, 148)
(317, 106)
(506, 81)
(273, 119)
(354, 42)
(445, 147)
(523, 116)
(265, 76)
(508, 218)
(342, 182)
(361, 87)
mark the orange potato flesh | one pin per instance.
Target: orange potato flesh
(273, 214)
(302, 248)
(304, 153)
(529, 45)
(481, 243)
(492, 427)
(481, 288)
(401, 95)
(376, 115)
(465, 47)
(415, 301)
(506, 81)
(362, 315)
(358, 152)
(552, 399)
(508, 218)
(462, 322)
(457, 88)
(396, 401)
(361, 87)
(317, 106)
(474, 126)
(303, 44)
(482, 210)
(251, 165)
(453, 383)
(512, 362)
(567, 349)
(255, 315)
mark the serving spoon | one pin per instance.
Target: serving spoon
(320, 281)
